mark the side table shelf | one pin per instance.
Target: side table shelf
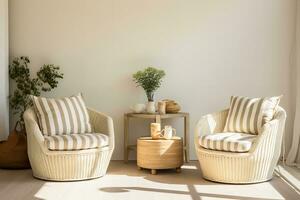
(157, 118)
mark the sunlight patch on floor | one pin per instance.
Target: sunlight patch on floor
(140, 184)
(126, 182)
(189, 167)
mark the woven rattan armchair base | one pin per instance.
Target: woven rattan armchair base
(68, 165)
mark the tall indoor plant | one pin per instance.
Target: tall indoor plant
(46, 79)
(13, 151)
(150, 80)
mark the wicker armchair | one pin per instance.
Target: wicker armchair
(256, 165)
(68, 165)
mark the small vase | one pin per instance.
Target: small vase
(150, 107)
(155, 129)
(161, 107)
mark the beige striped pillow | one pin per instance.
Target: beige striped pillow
(62, 116)
(248, 115)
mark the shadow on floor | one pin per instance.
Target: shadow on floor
(190, 171)
(192, 192)
(189, 176)
(276, 183)
(24, 185)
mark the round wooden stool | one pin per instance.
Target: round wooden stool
(159, 154)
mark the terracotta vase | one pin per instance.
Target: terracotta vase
(13, 151)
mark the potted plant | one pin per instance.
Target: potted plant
(150, 80)
(46, 80)
(13, 152)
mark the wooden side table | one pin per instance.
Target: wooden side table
(157, 118)
(159, 154)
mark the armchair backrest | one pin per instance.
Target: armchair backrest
(279, 118)
(272, 134)
(280, 114)
(30, 114)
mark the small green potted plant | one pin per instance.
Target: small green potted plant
(150, 80)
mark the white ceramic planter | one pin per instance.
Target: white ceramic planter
(150, 107)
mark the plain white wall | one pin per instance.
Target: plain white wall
(4, 110)
(210, 49)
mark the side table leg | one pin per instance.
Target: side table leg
(153, 171)
(186, 137)
(157, 119)
(126, 127)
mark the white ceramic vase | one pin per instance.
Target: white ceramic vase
(150, 107)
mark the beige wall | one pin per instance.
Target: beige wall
(210, 49)
(4, 126)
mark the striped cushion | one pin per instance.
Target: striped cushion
(76, 141)
(62, 116)
(233, 142)
(248, 115)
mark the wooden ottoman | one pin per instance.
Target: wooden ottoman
(159, 154)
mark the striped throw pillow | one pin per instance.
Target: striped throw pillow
(248, 115)
(62, 116)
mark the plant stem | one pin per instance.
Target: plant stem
(150, 96)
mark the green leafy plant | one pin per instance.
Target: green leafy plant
(19, 71)
(150, 80)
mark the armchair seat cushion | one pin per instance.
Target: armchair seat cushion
(229, 141)
(69, 142)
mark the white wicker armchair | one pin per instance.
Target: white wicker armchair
(254, 166)
(68, 165)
